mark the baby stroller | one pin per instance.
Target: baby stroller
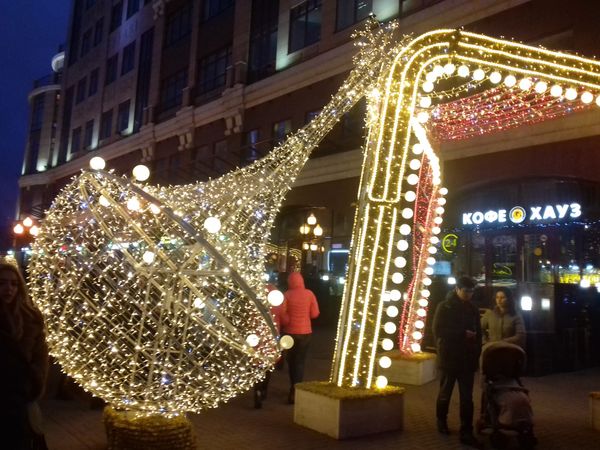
(505, 405)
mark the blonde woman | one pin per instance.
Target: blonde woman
(24, 357)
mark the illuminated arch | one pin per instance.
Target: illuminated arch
(445, 84)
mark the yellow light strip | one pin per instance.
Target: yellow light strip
(363, 327)
(377, 327)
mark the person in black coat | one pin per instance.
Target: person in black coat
(457, 334)
(24, 357)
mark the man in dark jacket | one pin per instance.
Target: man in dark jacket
(457, 333)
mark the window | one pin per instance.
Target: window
(116, 15)
(281, 130)
(80, 96)
(123, 117)
(305, 25)
(106, 124)
(128, 61)
(178, 24)
(350, 12)
(251, 151)
(37, 113)
(86, 42)
(93, 87)
(221, 164)
(98, 31)
(408, 7)
(88, 134)
(263, 39)
(174, 166)
(213, 70)
(215, 7)
(111, 69)
(76, 140)
(132, 7)
(171, 90)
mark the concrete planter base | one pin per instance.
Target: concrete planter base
(406, 370)
(595, 410)
(347, 412)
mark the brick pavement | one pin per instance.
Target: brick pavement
(560, 405)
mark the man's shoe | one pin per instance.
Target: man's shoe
(442, 427)
(470, 440)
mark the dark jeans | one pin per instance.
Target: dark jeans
(296, 356)
(465, 388)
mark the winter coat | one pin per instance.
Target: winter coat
(301, 305)
(503, 327)
(25, 365)
(453, 317)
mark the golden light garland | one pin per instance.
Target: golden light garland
(154, 297)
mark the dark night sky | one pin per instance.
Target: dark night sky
(30, 33)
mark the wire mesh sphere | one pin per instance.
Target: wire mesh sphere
(143, 307)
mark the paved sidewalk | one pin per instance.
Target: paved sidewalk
(560, 404)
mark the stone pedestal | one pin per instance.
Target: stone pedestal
(415, 369)
(127, 430)
(595, 410)
(348, 412)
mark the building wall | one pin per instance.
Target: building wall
(191, 135)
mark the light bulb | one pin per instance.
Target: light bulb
(387, 344)
(510, 80)
(541, 87)
(381, 382)
(407, 213)
(252, 340)
(27, 222)
(212, 224)
(97, 163)
(286, 342)
(478, 74)
(141, 172)
(400, 262)
(495, 77)
(425, 102)
(385, 362)
(392, 311)
(148, 257)
(410, 196)
(275, 297)
(463, 71)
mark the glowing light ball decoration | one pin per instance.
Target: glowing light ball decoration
(154, 297)
(414, 107)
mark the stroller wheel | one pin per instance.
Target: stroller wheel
(498, 440)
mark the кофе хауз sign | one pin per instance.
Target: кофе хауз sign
(520, 214)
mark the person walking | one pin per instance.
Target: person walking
(457, 334)
(24, 357)
(280, 318)
(302, 307)
(503, 323)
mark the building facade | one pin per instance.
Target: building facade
(195, 88)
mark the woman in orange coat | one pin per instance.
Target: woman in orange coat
(302, 307)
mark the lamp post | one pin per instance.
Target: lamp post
(311, 233)
(25, 232)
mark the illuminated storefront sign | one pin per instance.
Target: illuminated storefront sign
(449, 243)
(519, 214)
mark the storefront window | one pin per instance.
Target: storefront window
(504, 260)
(536, 258)
(569, 271)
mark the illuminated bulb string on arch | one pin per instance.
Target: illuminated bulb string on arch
(458, 85)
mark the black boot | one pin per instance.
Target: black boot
(258, 398)
(442, 426)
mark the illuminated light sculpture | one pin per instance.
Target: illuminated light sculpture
(154, 297)
(458, 106)
(131, 329)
